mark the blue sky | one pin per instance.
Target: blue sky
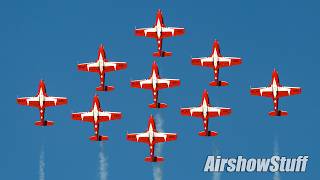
(45, 39)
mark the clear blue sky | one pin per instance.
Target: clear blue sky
(45, 39)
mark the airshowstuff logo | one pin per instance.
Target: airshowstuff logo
(241, 164)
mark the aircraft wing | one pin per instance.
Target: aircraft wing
(158, 137)
(107, 66)
(147, 32)
(90, 67)
(107, 116)
(83, 116)
(192, 111)
(229, 61)
(164, 137)
(288, 91)
(29, 101)
(171, 31)
(114, 66)
(48, 101)
(218, 111)
(167, 83)
(144, 84)
(262, 91)
(55, 101)
(138, 137)
(203, 61)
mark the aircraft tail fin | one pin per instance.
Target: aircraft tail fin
(208, 133)
(162, 54)
(44, 123)
(219, 83)
(99, 138)
(278, 113)
(158, 105)
(105, 88)
(154, 159)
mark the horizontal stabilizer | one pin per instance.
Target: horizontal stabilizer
(209, 133)
(154, 159)
(44, 123)
(162, 54)
(158, 105)
(99, 138)
(278, 113)
(105, 88)
(219, 83)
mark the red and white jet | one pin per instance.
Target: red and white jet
(41, 101)
(206, 111)
(216, 61)
(155, 83)
(151, 137)
(275, 91)
(101, 66)
(96, 116)
(159, 31)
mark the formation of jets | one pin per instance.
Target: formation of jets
(155, 83)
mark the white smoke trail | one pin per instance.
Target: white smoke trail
(42, 165)
(159, 122)
(103, 164)
(157, 169)
(276, 175)
(159, 125)
(216, 175)
(157, 172)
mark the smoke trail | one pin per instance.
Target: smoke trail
(103, 164)
(276, 175)
(159, 125)
(159, 121)
(216, 175)
(157, 169)
(157, 172)
(42, 165)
